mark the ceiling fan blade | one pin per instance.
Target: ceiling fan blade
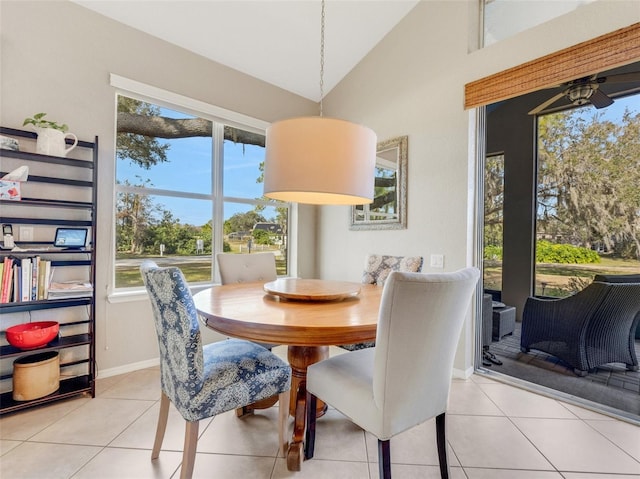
(547, 103)
(600, 99)
(620, 78)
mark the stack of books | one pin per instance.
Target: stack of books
(24, 279)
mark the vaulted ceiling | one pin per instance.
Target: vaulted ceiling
(277, 41)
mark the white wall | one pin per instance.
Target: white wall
(412, 84)
(56, 57)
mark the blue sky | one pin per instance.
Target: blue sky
(188, 168)
(615, 111)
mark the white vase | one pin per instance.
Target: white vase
(52, 142)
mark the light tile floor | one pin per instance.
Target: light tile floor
(495, 431)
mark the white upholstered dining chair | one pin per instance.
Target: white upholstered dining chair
(246, 268)
(404, 380)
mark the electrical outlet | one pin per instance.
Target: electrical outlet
(26, 233)
(437, 261)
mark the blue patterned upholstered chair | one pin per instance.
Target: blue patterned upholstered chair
(405, 379)
(202, 382)
(377, 268)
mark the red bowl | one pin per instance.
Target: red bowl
(32, 335)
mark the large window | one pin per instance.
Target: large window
(187, 187)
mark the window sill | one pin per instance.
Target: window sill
(140, 294)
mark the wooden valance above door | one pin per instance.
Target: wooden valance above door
(588, 58)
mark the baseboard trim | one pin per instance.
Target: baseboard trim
(462, 373)
(128, 368)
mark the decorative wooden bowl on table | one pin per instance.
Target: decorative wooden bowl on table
(312, 289)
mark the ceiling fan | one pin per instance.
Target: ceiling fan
(587, 90)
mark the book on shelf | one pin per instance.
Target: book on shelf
(35, 265)
(16, 283)
(44, 274)
(25, 280)
(7, 280)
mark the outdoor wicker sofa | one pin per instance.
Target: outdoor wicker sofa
(593, 327)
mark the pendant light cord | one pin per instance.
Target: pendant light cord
(321, 57)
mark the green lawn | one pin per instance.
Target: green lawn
(199, 271)
(195, 268)
(562, 279)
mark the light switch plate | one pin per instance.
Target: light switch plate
(26, 233)
(436, 261)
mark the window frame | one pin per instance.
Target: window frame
(220, 118)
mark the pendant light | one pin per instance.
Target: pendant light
(318, 160)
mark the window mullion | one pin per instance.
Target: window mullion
(217, 182)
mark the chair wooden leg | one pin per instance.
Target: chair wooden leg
(295, 453)
(310, 436)
(243, 411)
(162, 425)
(189, 452)
(442, 446)
(384, 459)
(283, 421)
(251, 408)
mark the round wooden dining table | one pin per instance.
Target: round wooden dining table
(306, 315)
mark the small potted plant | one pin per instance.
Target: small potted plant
(51, 135)
(38, 121)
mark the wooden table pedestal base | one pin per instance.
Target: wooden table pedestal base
(300, 357)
